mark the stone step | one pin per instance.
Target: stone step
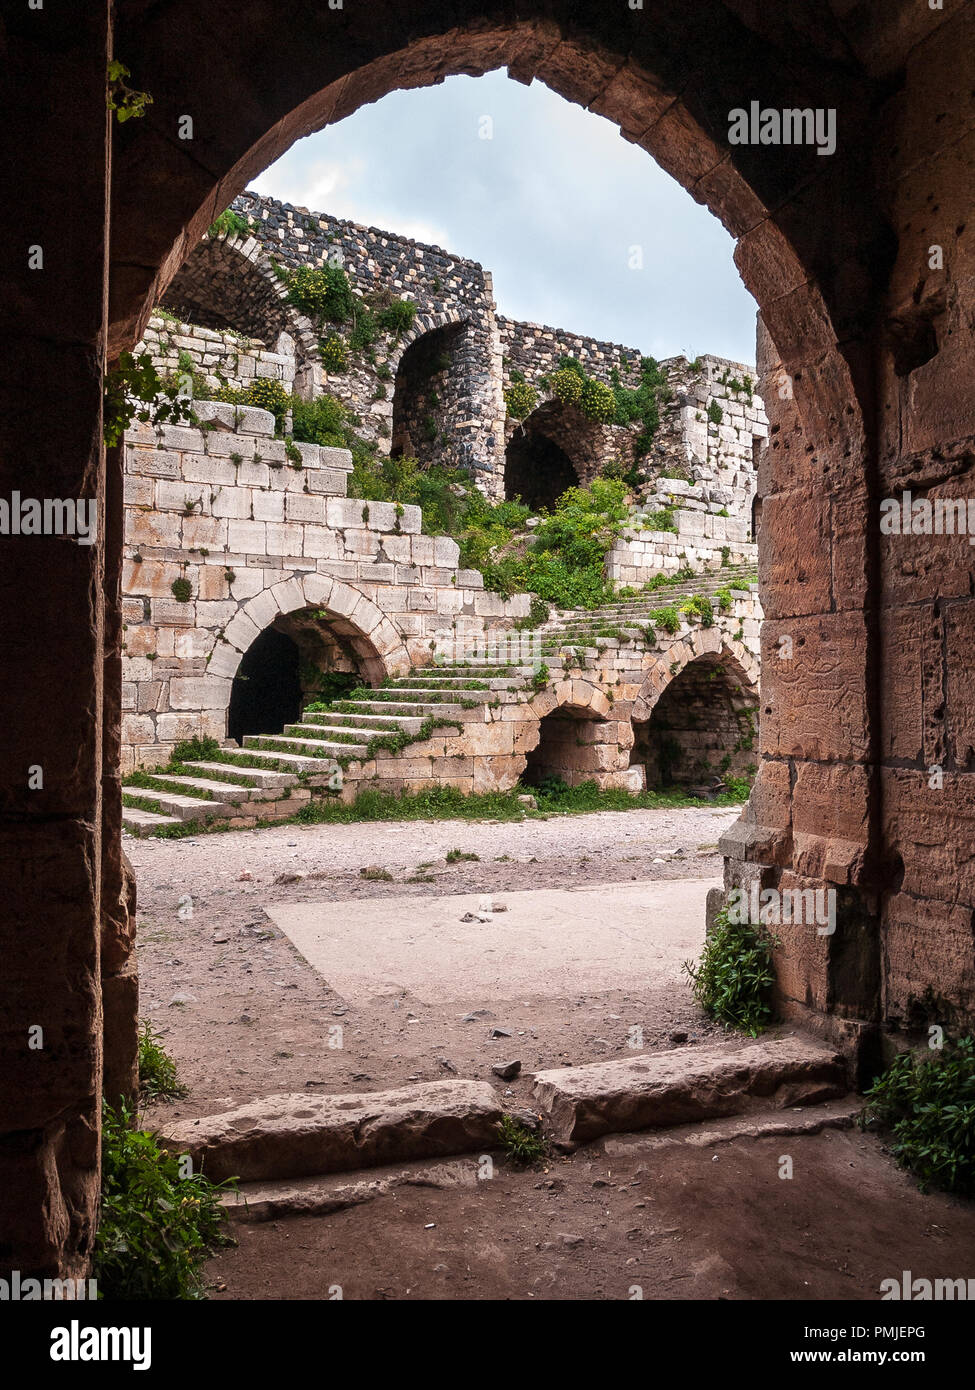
(300, 1135)
(307, 747)
(251, 760)
(325, 733)
(179, 807)
(227, 791)
(412, 708)
(368, 723)
(258, 776)
(139, 822)
(657, 1090)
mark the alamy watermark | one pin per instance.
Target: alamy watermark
(52, 516)
(760, 125)
(17, 1289)
(772, 907)
(922, 516)
(500, 647)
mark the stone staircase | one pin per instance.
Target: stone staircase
(273, 776)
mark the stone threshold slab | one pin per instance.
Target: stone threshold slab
(686, 1085)
(296, 1135)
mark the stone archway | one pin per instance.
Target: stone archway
(846, 734)
(701, 723)
(228, 283)
(573, 736)
(351, 617)
(434, 369)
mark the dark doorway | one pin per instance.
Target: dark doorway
(266, 692)
(702, 728)
(536, 469)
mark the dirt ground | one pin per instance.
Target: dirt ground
(245, 1015)
(669, 1221)
(651, 1216)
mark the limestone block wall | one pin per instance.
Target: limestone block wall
(219, 357)
(594, 702)
(247, 534)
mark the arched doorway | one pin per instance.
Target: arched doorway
(536, 470)
(429, 397)
(703, 727)
(567, 750)
(266, 692)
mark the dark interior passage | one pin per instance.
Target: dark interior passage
(536, 469)
(266, 692)
(703, 727)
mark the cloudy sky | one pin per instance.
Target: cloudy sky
(555, 203)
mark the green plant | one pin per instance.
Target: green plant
(267, 394)
(566, 385)
(540, 678)
(196, 750)
(334, 355)
(127, 103)
(158, 1227)
(520, 1144)
(520, 399)
(397, 317)
(157, 1070)
(229, 223)
(661, 520)
(715, 413)
(734, 978)
(457, 856)
(292, 453)
(372, 874)
(927, 1106)
(182, 590)
(135, 391)
(666, 619)
(323, 293)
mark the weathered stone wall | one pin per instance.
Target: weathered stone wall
(254, 534)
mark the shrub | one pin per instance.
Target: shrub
(334, 354)
(196, 750)
(157, 1070)
(715, 413)
(733, 982)
(182, 590)
(267, 394)
(927, 1105)
(397, 317)
(321, 421)
(566, 385)
(323, 293)
(520, 399)
(597, 402)
(157, 1227)
(666, 619)
(229, 223)
(519, 1143)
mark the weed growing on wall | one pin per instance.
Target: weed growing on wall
(733, 980)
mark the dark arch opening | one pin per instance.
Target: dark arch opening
(701, 730)
(266, 692)
(566, 750)
(536, 469)
(427, 396)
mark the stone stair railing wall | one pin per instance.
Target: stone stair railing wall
(470, 725)
(252, 534)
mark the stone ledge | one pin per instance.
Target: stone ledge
(295, 1135)
(656, 1091)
